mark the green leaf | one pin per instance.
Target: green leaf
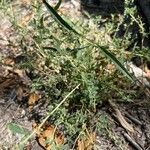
(104, 50)
(58, 5)
(58, 18)
(14, 128)
(42, 21)
(115, 61)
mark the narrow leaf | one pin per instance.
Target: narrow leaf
(115, 61)
(58, 18)
(58, 5)
(105, 52)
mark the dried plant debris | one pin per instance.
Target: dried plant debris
(33, 98)
(21, 92)
(8, 61)
(132, 141)
(121, 118)
(14, 75)
(48, 136)
(86, 142)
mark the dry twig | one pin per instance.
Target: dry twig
(120, 118)
(132, 142)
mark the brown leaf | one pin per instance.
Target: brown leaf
(81, 145)
(120, 118)
(87, 142)
(47, 135)
(21, 73)
(33, 98)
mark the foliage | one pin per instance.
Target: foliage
(59, 60)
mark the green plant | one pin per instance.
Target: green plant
(68, 58)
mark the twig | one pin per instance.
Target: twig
(120, 117)
(148, 148)
(131, 141)
(133, 119)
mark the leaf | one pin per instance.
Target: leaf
(49, 136)
(42, 21)
(87, 142)
(14, 128)
(106, 53)
(33, 98)
(58, 5)
(115, 61)
(58, 18)
(80, 145)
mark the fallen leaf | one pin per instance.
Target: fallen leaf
(21, 73)
(87, 142)
(48, 135)
(33, 98)
(81, 145)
